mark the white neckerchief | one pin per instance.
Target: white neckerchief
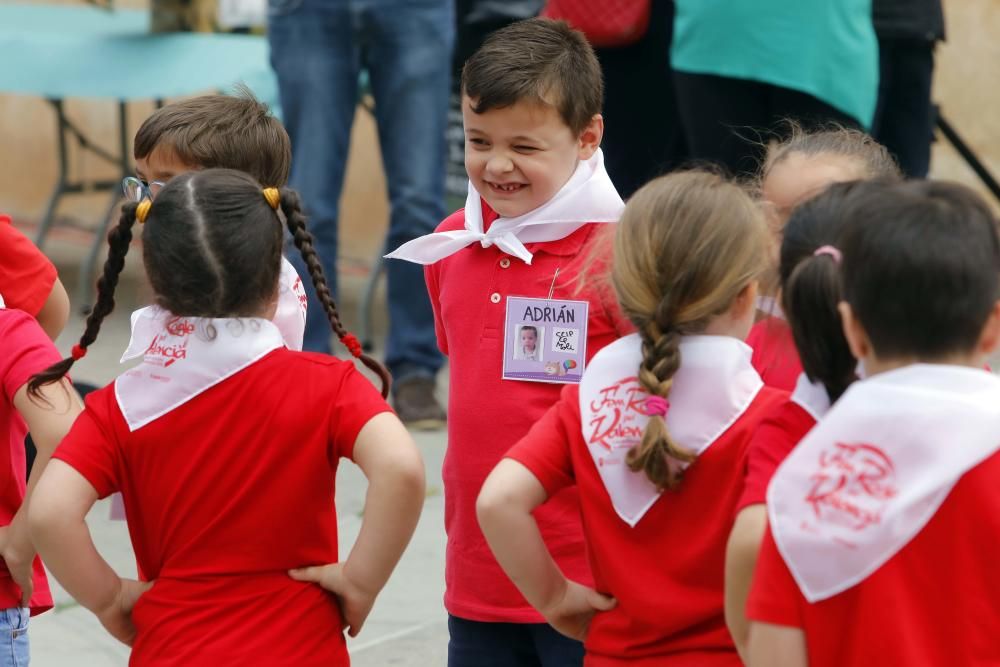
(588, 196)
(874, 471)
(811, 397)
(184, 357)
(770, 305)
(714, 385)
(290, 316)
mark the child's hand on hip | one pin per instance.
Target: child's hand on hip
(18, 558)
(117, 616)
(355, 602)
(572, 612)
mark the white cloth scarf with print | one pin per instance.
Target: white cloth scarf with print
(873, 472)
(588, 196)
(184, 356)
(713, 387)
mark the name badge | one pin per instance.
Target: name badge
(545, 340)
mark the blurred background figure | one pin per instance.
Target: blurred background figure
(742, 66)
(908, 31)
(318, 50)
(643, 137)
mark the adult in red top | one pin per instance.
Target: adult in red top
(666, 571)
(486, 415)
(28, 280)
(939, 591)
(26, 351)
(774, 355)
(223, 498)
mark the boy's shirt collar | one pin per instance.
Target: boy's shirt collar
(589, 196)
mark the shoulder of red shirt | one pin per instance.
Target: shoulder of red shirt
(26, 275)
(781, 429)
(453, 222)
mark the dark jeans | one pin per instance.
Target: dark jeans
(904, 117)
(318, 48)
(728, 121)
(642, 129)
(476, 644)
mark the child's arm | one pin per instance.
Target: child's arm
(55, 311)
(59, 529)
(504, 508)
(741, 559)
(49, 418)
(388, 457)
(777, 646)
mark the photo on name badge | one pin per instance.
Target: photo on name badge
(528, 342)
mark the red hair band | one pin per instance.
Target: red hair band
(78, 352)
(351, 342)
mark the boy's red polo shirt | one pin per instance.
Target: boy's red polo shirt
(487, 415)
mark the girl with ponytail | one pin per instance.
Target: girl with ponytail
(224, 444)
(654, 437)
(809, 272)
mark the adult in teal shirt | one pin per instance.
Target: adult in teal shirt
(742, 66)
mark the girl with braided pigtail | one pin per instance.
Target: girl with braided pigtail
(292, 208)
(654, 437)
(224, 444)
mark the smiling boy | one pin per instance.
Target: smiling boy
(531, 102)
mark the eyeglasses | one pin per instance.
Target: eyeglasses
(136, 189)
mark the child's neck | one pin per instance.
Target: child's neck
(873, 365)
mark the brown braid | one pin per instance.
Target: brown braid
(657, 454)
(119, 240)
(292, 208)
(687, 245)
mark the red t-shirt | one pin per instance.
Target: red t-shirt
(934, 603)
(774, 354)
(667, 571)
(26, 275)
(26, 351)
(775, 438)
(224, 494)
(486, 415)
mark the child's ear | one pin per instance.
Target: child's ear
(989, 339)
(590, 138)
(857, 337)
(745, 303)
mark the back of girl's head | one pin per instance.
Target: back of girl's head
(212, 245)
(687, 245)
(809, 271)
(865, 157)
(921, 269)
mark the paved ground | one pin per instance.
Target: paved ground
(408, 623)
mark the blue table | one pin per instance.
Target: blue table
(59, 52)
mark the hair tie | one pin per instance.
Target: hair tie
(273, 197)
(829, 250)
(351, 343)
(78, 352)
(657, 405)
(142, 210)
